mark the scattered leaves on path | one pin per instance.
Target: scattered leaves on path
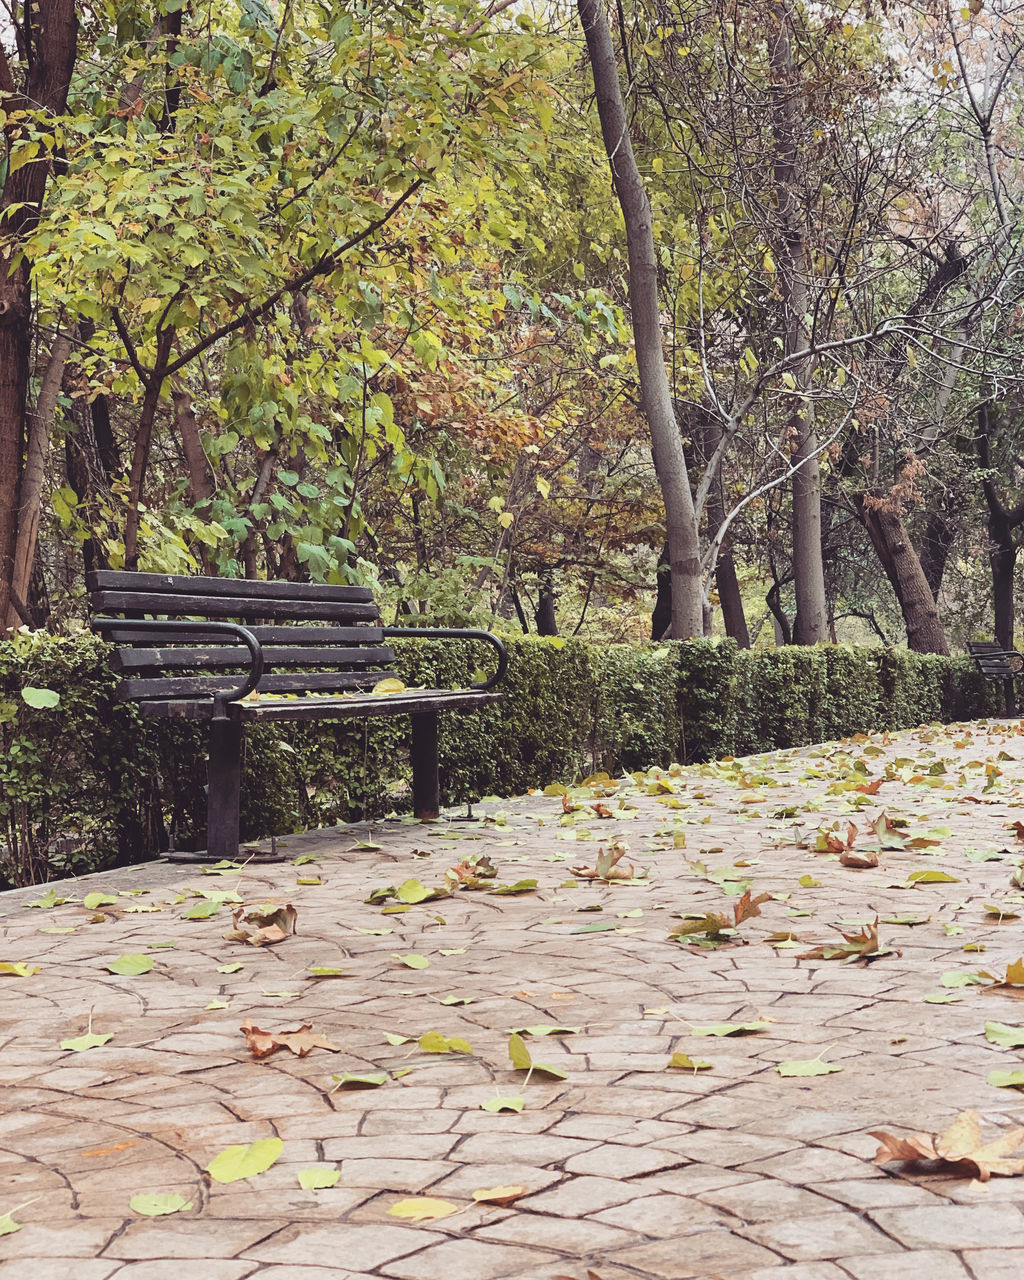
(156, 1206)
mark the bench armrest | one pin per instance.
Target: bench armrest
(460, 633)
(189, 628)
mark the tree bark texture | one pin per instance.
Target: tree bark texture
(50, 61)
(655, 393)
(925, 633)
(794, 274)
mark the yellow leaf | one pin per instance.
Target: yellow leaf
(686, 271)
(657, 164)
(499, 1195)
(911, 358)
(391, 685)
(769, 263)
(505, 519)
(422, 1209)
(543, 486)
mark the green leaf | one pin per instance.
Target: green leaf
(520, 886)
(130, 966)
(93, 900)
(40, 698)
(943, 997)
(47, 901)
(412, 961)
(372, 1080)
(8, 1226)
(318, 1179)
(542, 1029)
(91, 1041)
(931, 877)
(202, 910)
(157, 1206)
(1001, 1034)
(807, 1067)
(245, 1160)
(732, 1028)
(229, 968)
(412, 891)
(326, 971)
(603, 926)
(954, 978)
(685, 1063)
(1007, 1079)
(518, 1053)
(504, 1104)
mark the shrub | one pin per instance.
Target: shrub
(86, 783)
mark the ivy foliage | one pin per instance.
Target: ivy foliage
(86, 784)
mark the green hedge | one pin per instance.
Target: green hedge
(85, 784)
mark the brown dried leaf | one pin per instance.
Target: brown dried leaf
(960, 1144)
(863, 860)
(274, 924)
(300, 1041)
(870, 788)
(748, 907)
(863, 945)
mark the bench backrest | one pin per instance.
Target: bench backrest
(993, 660)
(303, 628)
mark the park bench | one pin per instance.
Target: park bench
(997, 663)
(236, 651)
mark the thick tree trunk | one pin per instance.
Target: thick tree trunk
(794, 275)
(655, 394)
(544, 614)
(902, 566)
(50, 59)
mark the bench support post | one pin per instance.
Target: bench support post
(225, 778)
(426, 790)
(1010, 698)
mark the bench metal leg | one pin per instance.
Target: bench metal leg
(1011, 701)
(426, 789)
(225, 782)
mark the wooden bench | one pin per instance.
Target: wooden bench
(997, 663)
(200, 648)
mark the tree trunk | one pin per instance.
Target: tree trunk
(544, 614)
(655, 394)
(938, 539)
(49, 59)
(1002, 521)
(902, 566)
(794, 276)
(36, 456)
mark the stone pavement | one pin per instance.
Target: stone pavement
(629, 1167)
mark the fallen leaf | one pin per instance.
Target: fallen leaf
(807, 1067)
(499, 1195)
(131, 966)
(18, 969)
(1001, 1034)
(92, 1040)
(422, 1209)
(8, 1226)
(504, 1104)
(863, 945)
(389, 685)
(318, 1179)
(542, 1029)
(245, 1160)
(157, 1206)
(522, 1061)
(92, 901)
(274, 923)
(733, 1028)
(350, 1080)
(435, 1042)
(862, 860)
(300, 1041)
(1006, 1079)
(412, 961)
(960, 1144)
(684, 1062)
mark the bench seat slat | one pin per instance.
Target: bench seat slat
(185, 606)
(103, 580)
(295, 682)
(273, 658)
(358, 706)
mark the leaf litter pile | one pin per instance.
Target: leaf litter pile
(839, 859)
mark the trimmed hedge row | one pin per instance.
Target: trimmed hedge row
(85, 785)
